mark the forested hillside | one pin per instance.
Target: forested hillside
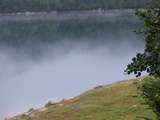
(8, 6)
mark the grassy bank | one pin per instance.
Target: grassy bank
(118, 101)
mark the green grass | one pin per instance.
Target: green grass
(118, 101)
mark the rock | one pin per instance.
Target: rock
(42, 109)
(98, 87)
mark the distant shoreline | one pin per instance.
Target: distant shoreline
(65, 15)
(30, 13)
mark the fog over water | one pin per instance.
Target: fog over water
(54, 56)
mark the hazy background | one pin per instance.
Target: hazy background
(60, 55)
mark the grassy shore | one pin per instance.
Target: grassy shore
(118, 101)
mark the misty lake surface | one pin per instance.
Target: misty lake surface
(50, 56)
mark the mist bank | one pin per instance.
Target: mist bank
(59, 74)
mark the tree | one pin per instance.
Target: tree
(149, 60)
(149, 88)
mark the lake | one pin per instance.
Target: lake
(56, 55)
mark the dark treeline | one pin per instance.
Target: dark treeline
(10, 6)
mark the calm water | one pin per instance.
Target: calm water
(59, 55)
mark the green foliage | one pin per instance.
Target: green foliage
(50, 5)
(150, 90)
(149, 60)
